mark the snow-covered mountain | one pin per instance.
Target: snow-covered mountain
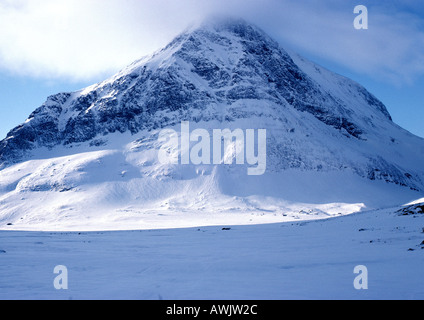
(89, 159)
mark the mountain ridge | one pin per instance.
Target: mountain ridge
(332, 146)
(67, 130)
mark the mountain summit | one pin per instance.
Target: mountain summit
(328, 138)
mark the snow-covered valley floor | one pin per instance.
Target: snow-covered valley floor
(292, 260)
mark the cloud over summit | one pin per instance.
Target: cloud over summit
(81, 40)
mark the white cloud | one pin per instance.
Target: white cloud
(82, 39)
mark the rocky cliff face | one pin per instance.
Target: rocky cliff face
(231, 73)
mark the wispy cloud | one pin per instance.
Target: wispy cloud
(82, 39)
(392, 48)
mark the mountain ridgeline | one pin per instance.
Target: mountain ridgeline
(230, 73)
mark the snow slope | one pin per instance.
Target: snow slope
(125, 188)
(294, 260)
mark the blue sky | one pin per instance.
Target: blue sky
(49, 46)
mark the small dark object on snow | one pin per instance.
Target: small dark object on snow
(412, 210)
(422, 243)
(2, 251)
(410, 249)
(10, 224)
(226, 229)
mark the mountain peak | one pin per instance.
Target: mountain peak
(233, 25)
(220, 23)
